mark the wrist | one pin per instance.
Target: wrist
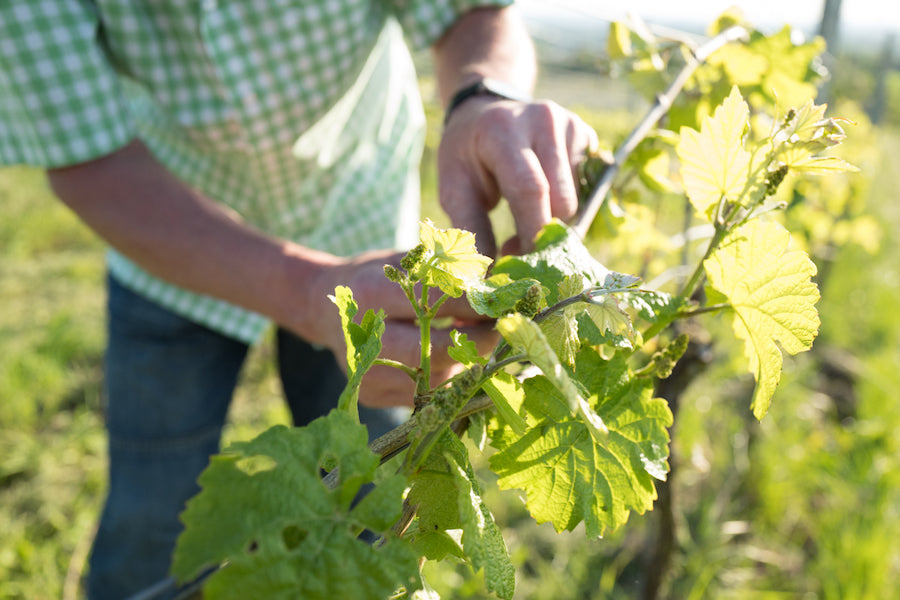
(485, 87)
(304, 295)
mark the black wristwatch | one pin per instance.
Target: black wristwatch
(485, 87)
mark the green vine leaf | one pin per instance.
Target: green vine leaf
(432, 486)
(568, 477)
(804, 133)
(526, 336)
(436, 545)
(448, 498)
(561, 327)
(714, 162)
(658, 308)
(507, 394)
(799, 160)
(561, 331)
(464, 350)
(559, 253)
(450, 261)
(264, 511)
(773, 296)
(481, 537)
(790, 78)
(498, 295)
(609, 318)
(363, 345)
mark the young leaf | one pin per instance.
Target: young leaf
(508, 395)
(276, 524)
(805, 132)
(561, 331)
(713, 161)
(773, 296)
(431, 488)
(609, 318)
(435, 545)
(464, 350)
(363, 345)
(790, 78)
(450, 261)
(561, 327)
(654, 307)
(567, 476)
(559, 252)
(618, 41)
(498, 295)
(800, 161)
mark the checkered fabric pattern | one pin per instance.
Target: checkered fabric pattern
(303, 116)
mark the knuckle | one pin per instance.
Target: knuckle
(544, 110)
(545, 113)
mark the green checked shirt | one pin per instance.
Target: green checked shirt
(301, 115)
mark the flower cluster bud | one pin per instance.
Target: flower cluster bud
(664, 360)
(530, 304)
(413, 259)
(429, 417)
(774, 179)
(394, 274)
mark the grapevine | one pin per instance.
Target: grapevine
(567, 401)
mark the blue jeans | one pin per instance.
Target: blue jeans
(168, 385)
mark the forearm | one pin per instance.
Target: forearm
(150, 216)
(485, 42)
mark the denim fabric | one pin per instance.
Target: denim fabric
(312, 381)
(168, 384)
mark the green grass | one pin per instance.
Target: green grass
(51, 339)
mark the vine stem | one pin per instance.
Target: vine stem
(387, 362)
(723, 226)
(662, 105)
(396, 440)
(691, 284)
(423, 379)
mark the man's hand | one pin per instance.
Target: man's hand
(364, 275)
(524, 152)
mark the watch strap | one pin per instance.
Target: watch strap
(485, 87)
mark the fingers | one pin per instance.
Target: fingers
(552, 128)
(527, 153)
(525, 186)
(467, 193)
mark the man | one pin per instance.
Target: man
(242, 159)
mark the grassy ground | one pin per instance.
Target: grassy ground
(805, 505)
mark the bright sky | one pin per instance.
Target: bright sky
(879, 14)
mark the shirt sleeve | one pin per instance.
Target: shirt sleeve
(424, 21)
(61, 101)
